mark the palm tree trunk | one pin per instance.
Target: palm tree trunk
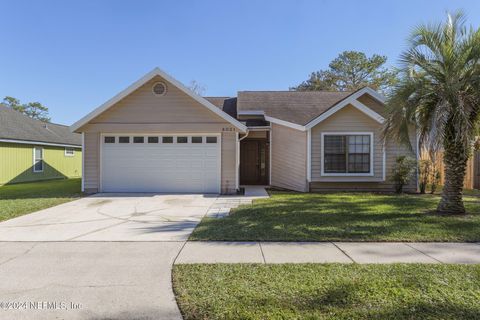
(455, 159)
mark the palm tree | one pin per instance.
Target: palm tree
(438, 93)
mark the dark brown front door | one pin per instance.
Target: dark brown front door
(254, 162)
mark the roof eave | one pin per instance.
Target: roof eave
(43, 143)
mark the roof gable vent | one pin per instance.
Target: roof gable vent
(159, 88)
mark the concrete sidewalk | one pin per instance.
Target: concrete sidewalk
(93, 280)
(328, 252)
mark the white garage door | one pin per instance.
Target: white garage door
(161, 163)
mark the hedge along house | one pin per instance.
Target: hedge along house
(32, 150)
(158, 136)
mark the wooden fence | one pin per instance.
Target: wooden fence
(472, 174)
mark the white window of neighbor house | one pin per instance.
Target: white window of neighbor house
(69, 152)
(37, 159)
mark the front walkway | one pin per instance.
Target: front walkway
(224, 203)
(328, 252)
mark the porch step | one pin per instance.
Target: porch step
(255, 192)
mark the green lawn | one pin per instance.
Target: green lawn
(328, 291)
(343, 217)
(23, 198)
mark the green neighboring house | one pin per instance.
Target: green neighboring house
(32, 150)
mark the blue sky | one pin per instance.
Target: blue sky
(74, 55)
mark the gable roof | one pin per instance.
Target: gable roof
(298, 107)
(217, 101)
(351, 100)
(142, 81)
(227, 104)
(22, 129)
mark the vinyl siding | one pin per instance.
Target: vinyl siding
(143, 112)
(16, 163)
(228, 154)
(349, 119)
(143, 107)
(161, 128)
(91, 179)
(289, 158)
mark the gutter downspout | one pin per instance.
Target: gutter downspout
(244, 136)
(237, 160)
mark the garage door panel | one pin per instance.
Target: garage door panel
(160, 167)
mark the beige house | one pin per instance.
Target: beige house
(158, 136)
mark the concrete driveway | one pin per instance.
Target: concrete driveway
(103, 257)
(112, 217)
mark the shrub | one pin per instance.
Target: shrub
(434, 174)
(424, 174)
(402, 171)
(435, 181)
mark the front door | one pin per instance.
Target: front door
(254, 162)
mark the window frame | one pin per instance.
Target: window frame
(35, 160)
(172, 142)
(69, 154)
(138, 137)
(181, 137)
(207, 137)
(153, 137)
(347, 174)
(114, 139)
(124, 136)
(192, 138)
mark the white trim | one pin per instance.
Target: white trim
(369, 112)
(309, 155)
(360, 179)
(67, 154)
(352, 100)
(246, 135)
(339, 133)
(260, 128)
(384, 160)
(251, 113)
(270, 160)
(220, 166)
(40, 143)
(157, 134)
(100, 161)
(164, 91)
(285, 123)
(237, 160)
(83, 162)
(238, 153)
(375, 94)
(34, 160)
(157, 72)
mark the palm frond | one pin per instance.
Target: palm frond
(439, 88)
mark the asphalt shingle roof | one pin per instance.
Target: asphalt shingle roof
(216, 101)
(299, 107)
(17, 126)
